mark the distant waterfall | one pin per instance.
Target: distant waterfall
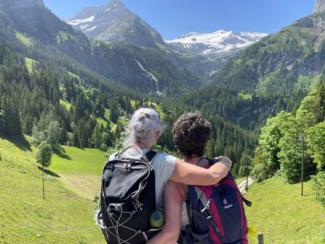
(151, 77)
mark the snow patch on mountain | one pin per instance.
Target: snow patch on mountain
(216, 42)
(91, 28)
(81, 21)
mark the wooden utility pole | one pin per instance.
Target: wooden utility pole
(302, 140)
(247, 174)
(43, 183)
(260, 238)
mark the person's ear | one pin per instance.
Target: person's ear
(157, 135)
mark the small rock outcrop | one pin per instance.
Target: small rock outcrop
(319, 6)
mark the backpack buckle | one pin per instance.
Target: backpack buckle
(116, 207)
(206, 207)
(128, 165)
(137, 205)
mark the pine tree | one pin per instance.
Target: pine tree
(96, 137)
(114, 113)
(53, 134)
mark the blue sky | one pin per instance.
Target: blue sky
(173, 18)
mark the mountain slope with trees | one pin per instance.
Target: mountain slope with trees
(272, 75)
(117, 61)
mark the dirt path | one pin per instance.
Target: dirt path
(242, 185)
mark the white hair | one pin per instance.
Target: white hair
(143, 127)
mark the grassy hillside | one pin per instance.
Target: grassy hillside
(80, 170)
(283, 216)
(64, 217)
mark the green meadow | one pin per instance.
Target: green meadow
(67, 213)
(80, 170)
(283, 216)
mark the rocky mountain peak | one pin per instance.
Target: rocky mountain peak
(319, 6)
(18, 4)
(114, 22)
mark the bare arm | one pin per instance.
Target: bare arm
(190, 174)
(174, 195)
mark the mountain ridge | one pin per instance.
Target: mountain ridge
(21, 3)
(113, 22)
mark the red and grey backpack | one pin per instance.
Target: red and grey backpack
(216, 213)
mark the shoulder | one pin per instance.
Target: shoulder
(112, 156)
(164, 163)
(163, 156)
(222, 159)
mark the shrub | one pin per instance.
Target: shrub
(319, 187)
(260, 172)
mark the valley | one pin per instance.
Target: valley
(74, 83)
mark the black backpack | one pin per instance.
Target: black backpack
(127, 199)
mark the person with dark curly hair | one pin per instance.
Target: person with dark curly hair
(191, 133)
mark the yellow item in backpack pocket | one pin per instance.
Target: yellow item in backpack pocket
(156, 219)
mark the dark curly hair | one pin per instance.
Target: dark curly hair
(191, 133)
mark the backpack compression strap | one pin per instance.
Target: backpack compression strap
(148, 156)
(206, 211)
(189, 208)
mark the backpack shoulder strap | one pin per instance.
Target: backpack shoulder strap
(189, 206)
(150, 155)
(247, 202)
(206, 210)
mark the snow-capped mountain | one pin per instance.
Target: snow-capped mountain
(113, 22)
(216, 44)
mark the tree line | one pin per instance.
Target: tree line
(287, 139)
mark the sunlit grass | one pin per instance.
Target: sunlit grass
(63, 217)
(29, 64)
(65, 104)
(23, 39)
(283, 216)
